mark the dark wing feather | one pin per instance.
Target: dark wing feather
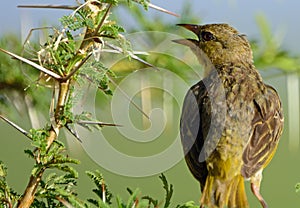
(267, 126)
(191, 131)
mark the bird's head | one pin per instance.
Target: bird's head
(221, 44)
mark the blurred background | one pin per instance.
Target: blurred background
(273, 30)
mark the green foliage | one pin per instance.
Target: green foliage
(14, 82)
(136, 199)
(65, 54)
(152, 201)
(54, 188)
(268, 53)
(58, 53)
(101, 189)
(189, 204)
(297, 187)
(144, 3)
(169, 190)
(52, 157)
(10, 74)
(7, 195)
(98, 74)
(111, 31)
(58, 191)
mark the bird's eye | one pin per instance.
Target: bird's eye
(207, 36)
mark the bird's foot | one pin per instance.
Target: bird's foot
(256, 192)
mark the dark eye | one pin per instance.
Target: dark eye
(207, 36)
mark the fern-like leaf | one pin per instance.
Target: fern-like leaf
(168, 188)
(102, 190)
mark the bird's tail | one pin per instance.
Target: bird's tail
(229, 193)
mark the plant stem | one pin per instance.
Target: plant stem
(29, 194)
(56, 124)
(30, 191)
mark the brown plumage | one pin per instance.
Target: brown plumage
(231, 121)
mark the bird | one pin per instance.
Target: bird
(231, 121)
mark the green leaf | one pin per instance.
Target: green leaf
(113, 2)
(98, 180)
(94, 202)
(3, 170)
(129, 191)
(111, 30)
(151, 200)
(103, 205)
(36, 169)
(73, 23)
(29, 153)
(144, 3)
(168, 188)
(189, 204)
(120, 203)
(297, 187)
(97, 73)
(65, 168)
(132, 199)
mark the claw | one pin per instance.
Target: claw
(255, 188)
(255, 191)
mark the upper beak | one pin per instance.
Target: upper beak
(188, 42)
(191, 27)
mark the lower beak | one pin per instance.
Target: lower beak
(186, 42)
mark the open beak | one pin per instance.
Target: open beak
(191, 27)
(188, 42)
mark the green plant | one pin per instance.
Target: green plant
(69, 56)
(136, 198)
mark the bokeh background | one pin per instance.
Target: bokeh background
(273, 27)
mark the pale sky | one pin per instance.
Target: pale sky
(283, 15)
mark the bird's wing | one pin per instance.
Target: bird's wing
(267, 126)
(191, 130)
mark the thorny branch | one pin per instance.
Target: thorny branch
(63, 87)
(62, 80)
